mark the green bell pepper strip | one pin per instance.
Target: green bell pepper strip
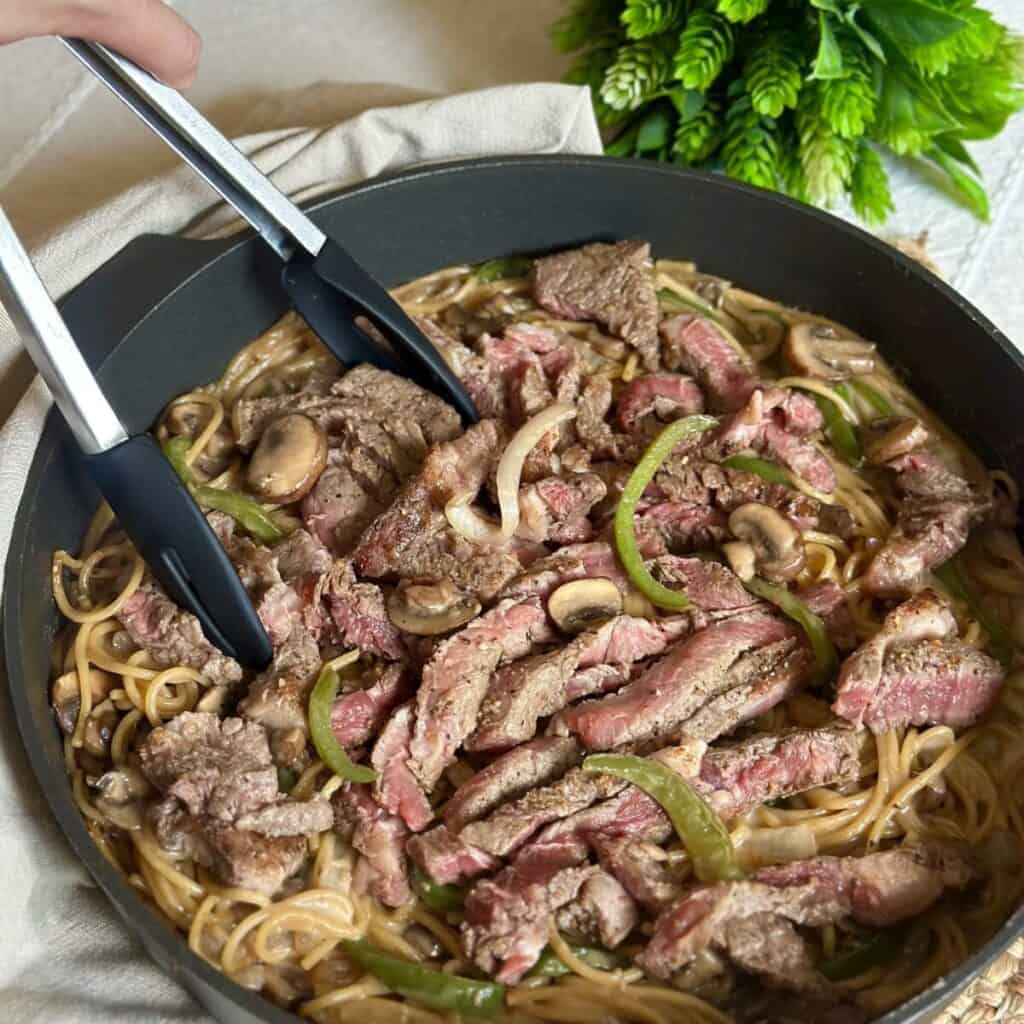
(881, 949)
(330, 751)
(431, 988)
(175, 450)
(247, 512)
(766, 470)
(700, 829)
(436, 895)
(841, 433)
(625, 538)
(873, 397)
(791, 605)
(550, 966)
(673, 302)
(500, 269)
(954, 579)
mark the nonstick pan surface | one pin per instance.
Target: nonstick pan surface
(166, 314)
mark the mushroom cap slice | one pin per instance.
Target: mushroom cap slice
(288, 460)
(426, 609)
(778, 546)
(580, 604)
(890, 438)
(741, 557)
(817, 349)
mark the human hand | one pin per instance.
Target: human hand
(147, 31)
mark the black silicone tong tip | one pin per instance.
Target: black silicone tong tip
(332, 289)
(171, 533)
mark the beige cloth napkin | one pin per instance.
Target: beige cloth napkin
(63, 953)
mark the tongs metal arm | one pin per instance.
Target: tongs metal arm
(280, 223)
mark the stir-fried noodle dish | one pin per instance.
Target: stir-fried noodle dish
(684, 686)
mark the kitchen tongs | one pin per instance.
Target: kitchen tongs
(151, 504)
(326, 285)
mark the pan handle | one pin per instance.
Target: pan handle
(284, 227)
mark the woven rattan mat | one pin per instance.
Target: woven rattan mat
(998, 995)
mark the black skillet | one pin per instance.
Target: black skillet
(166, 314)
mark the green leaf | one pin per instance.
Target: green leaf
(706, 45)
(624, 144)
(910, 114)
(655, 130)
(912, 22)
(958, 151)
(965, 186)
(829, 61)
(869, 41)
(688, 102)
(869, 186)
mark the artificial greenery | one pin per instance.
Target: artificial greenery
(800, 95)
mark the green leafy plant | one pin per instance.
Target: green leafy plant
(802, 96)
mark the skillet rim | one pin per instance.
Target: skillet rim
(177, 958)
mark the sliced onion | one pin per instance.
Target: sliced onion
(469, 524)
(466, 521)
(763, 846)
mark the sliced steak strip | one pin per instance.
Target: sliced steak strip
(358, 715)
(533, 688)
(510, 776)
(676, 686)
(680, 527)
(641, 872)
(379, 837)
(507, 828)
(222, 802)
(695, 345)
(693, 481)
(937, 511)
(573, 562)
(455, 680)
(171, 636)
(446, 858)
(506, 924)
(555, 509)
(878, 889)
(828, 600)
(277, 697)
(412, 538)
(602, 914)
(663, 396)
(770, 766)
(915, 671)
(396, 788)
(709, 585)
(611, 284)
(359, 615)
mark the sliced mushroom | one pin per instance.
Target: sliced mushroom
(817, 349)
(99, 728)
(578, 605)
(426, 609)
(778, 550)
(188, 419)
(288, 460)
(741, 557)
(288, 749)
(122, 795)
(892, 437)
(66, 697)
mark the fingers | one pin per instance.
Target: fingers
(147, 31)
